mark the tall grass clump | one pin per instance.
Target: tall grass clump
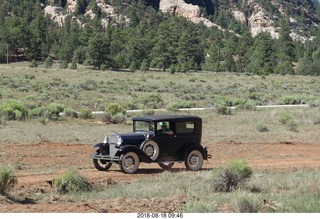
(228, 178)
(7, 179)
(72, 181)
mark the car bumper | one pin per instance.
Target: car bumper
(106, 158)
(207, 156)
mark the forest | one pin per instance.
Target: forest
(152, 39)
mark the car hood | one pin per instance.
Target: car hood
(134, 138)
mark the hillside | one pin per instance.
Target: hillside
(256, 36)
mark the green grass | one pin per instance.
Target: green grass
(266, 191)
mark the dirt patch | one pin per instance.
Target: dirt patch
(36, 164)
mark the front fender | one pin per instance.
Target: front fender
(132, 148)
(104, 148)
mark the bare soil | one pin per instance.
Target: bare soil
(36, 164)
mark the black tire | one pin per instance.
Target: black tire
(166, 166)
(129, 162)
(151, 149)
(101, 165)
(194, 160)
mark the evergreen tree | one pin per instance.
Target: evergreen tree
(262, 59)
(163, 53)
(285, 48)
(98, 49)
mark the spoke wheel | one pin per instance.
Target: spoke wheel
(166, 166)
(129, 162)
(194, 160)
(151, 149)
(101, 165)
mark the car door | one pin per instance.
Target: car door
(169, 145)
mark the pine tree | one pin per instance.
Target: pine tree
(98, 49)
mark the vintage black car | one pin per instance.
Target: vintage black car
(162, 139)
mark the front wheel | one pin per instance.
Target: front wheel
(166, 166)
(129, 162)
(194, 160)
(101, 165)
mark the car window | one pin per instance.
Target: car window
(184, 127)
(143, 126)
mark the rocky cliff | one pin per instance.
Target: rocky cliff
(259, 19)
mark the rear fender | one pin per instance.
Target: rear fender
(132, 148)
(189, 148)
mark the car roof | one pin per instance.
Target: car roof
(155, 118)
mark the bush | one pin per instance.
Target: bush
(54, 110)
(114, 108)
(85, 114)
(247, 205)
(285, 117)
(64, 64)
(48, 62)
(33, 64)
(70, 112)
(262, 127)
(152, 101)
(230, 177)
(292, 126)
(176, 105)
(71, 181)
(7, 179)
(38, 112)
(223, 110)
(14, 110)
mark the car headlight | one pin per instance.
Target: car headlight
(105, 140)
(119, 141)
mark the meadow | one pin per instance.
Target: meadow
(280, 145)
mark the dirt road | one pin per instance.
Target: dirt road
(36, 164)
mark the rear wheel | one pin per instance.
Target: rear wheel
(194, 160)
(129, 162)
(166, 166)
(101, 165)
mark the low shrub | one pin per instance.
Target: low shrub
(7, 179)
(152, 101)
(38, 112)
(292, 126)
(70, 112)
(14, 110)
(230, 177)
(114, 108)
(85, 114)
(262, 127)
(54, 110)
(246, 205)
(223, 110)
(72, 181)
(285, 117)
(176, 105)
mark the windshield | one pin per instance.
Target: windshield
(139, 126)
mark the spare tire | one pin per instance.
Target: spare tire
(150, 148)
